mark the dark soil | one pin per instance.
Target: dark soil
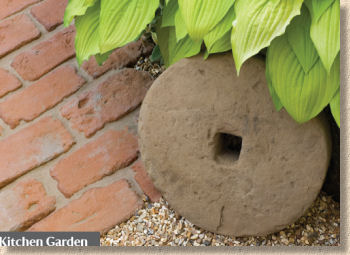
(332, 183)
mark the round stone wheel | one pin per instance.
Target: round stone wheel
(220, 153)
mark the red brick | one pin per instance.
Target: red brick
(50, 13)
(145, 182)
(8, 82)
(9, 7)
(23, 205)
(16, 32)
(109, 101)
(122, 57)
(110, 152)
(32, 147)
(45, 56)
(30, 102)
(98, 209)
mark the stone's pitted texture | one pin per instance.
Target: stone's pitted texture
(50, 13)
(41, 96)
(145, 182)
(23, 205)
(98, 209)
(16, 32)
(105, 155)
(45, 56)
(121, 57)
(8, 82)
(9, 7)
(31, 147)
(281, 165)
(109, 101)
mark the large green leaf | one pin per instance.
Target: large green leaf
(172, 51)
(257, 23)
(221, 45)
(318, 7)
(275, 99)
(335, 107)
(169, 12)
(201, 16)
(156, 54)
(325, 34)
(163, 42)
(122, 21)
(76, 8)
(218, 32)
(185, 48)
(87, 36)
(302, 94)
(180, 26)
(101, 58)
(298, 34)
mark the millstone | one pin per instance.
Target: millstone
(220, 153)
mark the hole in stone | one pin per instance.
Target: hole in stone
(227, 147)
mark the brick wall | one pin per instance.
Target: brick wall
(69, 157)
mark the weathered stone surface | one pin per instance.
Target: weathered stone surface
(9, 7)
(16, 32)
(50, 13)
(37, 98)
(121, 57)
(31, 147)
(103, 156)
(23, 205)
(45, 56)
(185, 125)
(98, 209)
(109, 101)
(8, 82)
(145, 182)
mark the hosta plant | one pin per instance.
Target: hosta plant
(302, 38)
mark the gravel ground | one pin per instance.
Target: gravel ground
(145, 64)
(156, 224)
